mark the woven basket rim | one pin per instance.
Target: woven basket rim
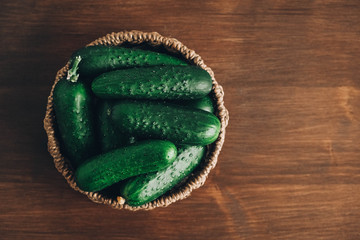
(194, 181)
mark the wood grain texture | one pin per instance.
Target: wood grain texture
(290, 166)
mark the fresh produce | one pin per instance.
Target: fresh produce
(144, 188)
(146, 102)
(158, 82)
(204, 103)
(74, 116)
(141, 189)
(155, 120)
(100, 59)
(109, 137)
(106, 169)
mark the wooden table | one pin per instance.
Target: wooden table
(290, 166)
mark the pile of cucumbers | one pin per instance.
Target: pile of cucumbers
(135, 119)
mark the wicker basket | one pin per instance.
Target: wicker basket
(198, 177)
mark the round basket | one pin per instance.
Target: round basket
(198, 177)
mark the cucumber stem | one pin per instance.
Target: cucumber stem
(72, 74)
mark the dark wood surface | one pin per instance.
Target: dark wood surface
(290, 166)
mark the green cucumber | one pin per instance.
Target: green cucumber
(155, 120)
(100, 59)
(74, 117)
(106, 169)
(158, 82)
(109, 137)
(144, 188)
(204, 103)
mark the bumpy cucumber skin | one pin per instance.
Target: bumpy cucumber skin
(109, 137)
(144, 188)
(100, 59)
(158, 82)
(106, 169)
(155, 120)
(74, 116)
